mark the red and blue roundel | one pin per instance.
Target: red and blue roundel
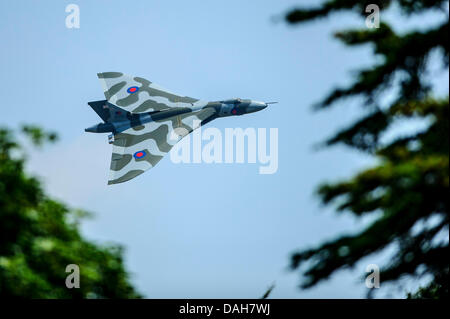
(132, 89)
(234, 111)
(139, 154)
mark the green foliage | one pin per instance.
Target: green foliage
(39, 237)
(37, 135)
(434, 290)
(407, 192)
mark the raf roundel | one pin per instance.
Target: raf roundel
(139, 154)
(132, 89)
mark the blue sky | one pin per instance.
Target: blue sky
(192, 230)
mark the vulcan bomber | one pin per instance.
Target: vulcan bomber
(145, 120)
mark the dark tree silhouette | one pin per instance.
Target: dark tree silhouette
(407, 192)
(39, 237)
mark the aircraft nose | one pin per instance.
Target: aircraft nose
(256, 106)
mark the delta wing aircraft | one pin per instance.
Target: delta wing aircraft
(146, 121)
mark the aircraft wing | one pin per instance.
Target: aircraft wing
(139, 148)
(138, 95)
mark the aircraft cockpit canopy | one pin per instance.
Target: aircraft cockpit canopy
(232, 101)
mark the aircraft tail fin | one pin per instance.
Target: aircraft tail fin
(108, 111)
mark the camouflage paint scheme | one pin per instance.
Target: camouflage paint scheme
(146, 121)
